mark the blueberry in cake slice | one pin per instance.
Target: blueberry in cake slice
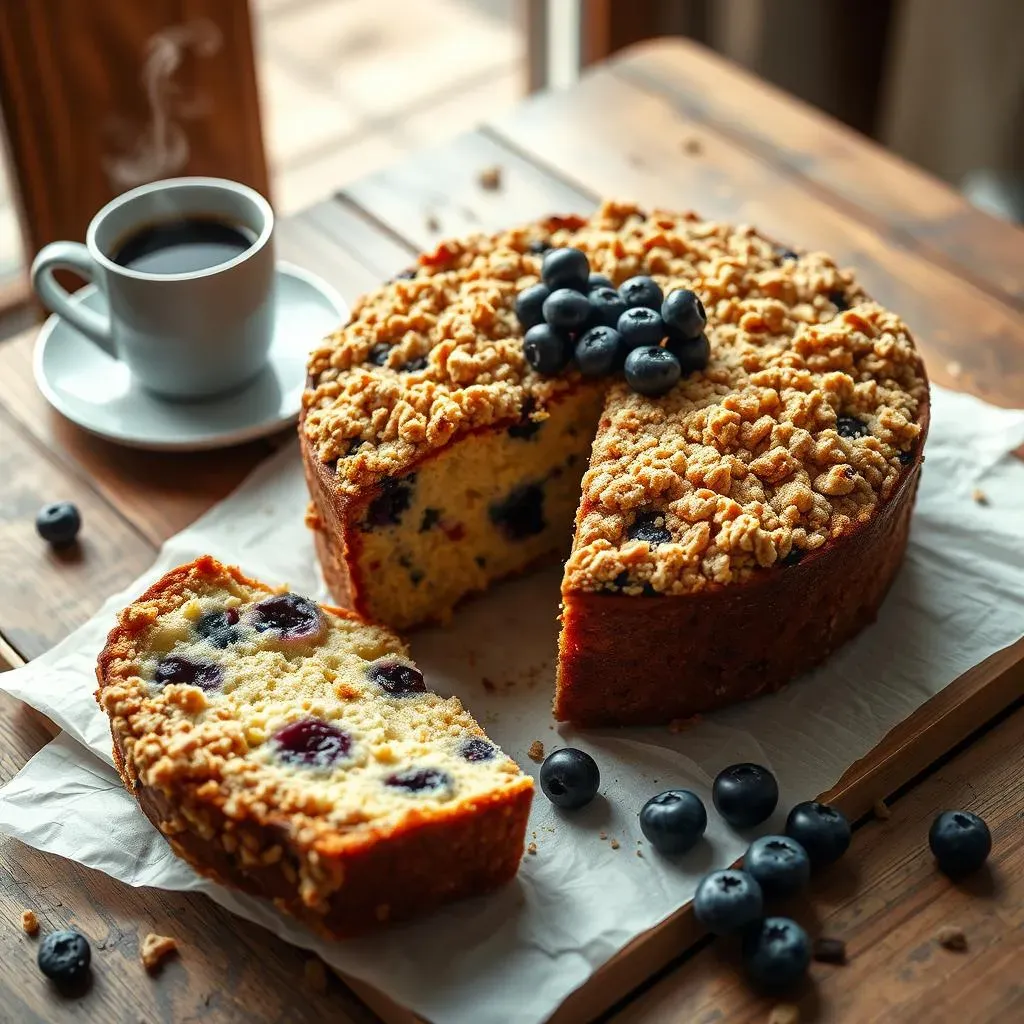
(295, 751)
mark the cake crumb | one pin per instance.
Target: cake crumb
(488, 684)
(784, 1013)
(536, 751)
(951, 937)
(954, 369)
(829, 951)
(602, 834)
(532, 849)
(29, 922)
(979, 496)
(678, 725)
(314, 975)
(490, 178)
(614, 844)
(693, 146)
(432, 223)
(155, 948)
(640, 854)
(881, 809)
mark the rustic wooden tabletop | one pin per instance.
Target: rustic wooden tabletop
(666, 124)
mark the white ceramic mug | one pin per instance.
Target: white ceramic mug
(186, 335)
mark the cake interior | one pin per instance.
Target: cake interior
(322, 711)
(492, 504)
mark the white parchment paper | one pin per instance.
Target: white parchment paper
(514, 956)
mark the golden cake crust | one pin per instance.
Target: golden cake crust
(180, 756)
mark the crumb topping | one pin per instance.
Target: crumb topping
(29, 922)
(155, 948)
(805, 420)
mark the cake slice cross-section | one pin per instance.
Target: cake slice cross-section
(295, 751)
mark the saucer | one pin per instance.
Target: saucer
(100, 395)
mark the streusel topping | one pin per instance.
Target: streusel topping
(803, 422)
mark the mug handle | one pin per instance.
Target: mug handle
(71, 256)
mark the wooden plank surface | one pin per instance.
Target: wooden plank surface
(614, 134)
(827, 158)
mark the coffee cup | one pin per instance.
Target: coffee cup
(186, 267)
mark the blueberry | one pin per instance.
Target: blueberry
(683, 313)
(641, 291)
(745, 794)
(419, 780)
(204, 674)
(652, 371)
(776, 953)
(599, 281)
(645, 527)
(414, 365)
(406, 275)
(794, 556)
(546, 350)
(906, 458)
(569, 778)
(960, 841)
(822, 831)
(218, 627)
(396, 678)
(477, 749)
(566, 310)
(727, 901)
(693, 353)
(851, 427)
(297, 618)
(787, 254)
(521, 513)
(311, 743)
(530, 305)
(394, 496)
(58, 524)
(780, 865)
(379, 354)
(64, 957)
(599, 352)
(839, 300)
(641, 326)
(539, 246)
(605, 307)
(673, 821)
(565, 268)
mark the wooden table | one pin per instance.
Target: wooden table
(669, 124)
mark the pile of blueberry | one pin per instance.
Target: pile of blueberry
(574, 314)
(776, 950)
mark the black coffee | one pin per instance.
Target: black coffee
(183, 245)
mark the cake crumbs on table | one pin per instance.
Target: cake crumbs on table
(536, 751)
(640, 854)
(881, 810)
(314, 975)
(29, 922)
(979, 496)
(602, 834)
(532, 849)
(155, 948)
(693, 146)
(952, 937)
(784, 1013)
(614, 844)
(490, 178)
(432, 223)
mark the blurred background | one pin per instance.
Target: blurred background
(298, 97)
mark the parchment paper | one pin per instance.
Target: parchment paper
(514, 956)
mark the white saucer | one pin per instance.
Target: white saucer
(99, 394)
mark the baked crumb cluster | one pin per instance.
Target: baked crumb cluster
(802, 423)
(264, 705)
